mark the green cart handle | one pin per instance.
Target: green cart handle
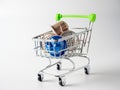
(91, 17)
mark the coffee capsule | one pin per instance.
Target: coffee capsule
(70, 41)
(60, 27)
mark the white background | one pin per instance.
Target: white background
(20, 20)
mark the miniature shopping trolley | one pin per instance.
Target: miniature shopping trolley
(64, 48)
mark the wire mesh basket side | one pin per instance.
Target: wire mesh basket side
(75, 45)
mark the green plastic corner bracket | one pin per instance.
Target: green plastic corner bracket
(91, 17)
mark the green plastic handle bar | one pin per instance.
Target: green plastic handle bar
(91, 17)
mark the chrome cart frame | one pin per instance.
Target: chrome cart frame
(82, 41)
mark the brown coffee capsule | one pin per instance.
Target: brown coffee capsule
(60, 27)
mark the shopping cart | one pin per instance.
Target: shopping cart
(74, 46)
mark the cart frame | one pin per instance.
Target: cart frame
(84, 42)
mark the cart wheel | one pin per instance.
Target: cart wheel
(59, 66)
(40, 77)
(87, 70)
(61, 81)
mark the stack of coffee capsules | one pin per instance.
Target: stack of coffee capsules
(59, 30)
